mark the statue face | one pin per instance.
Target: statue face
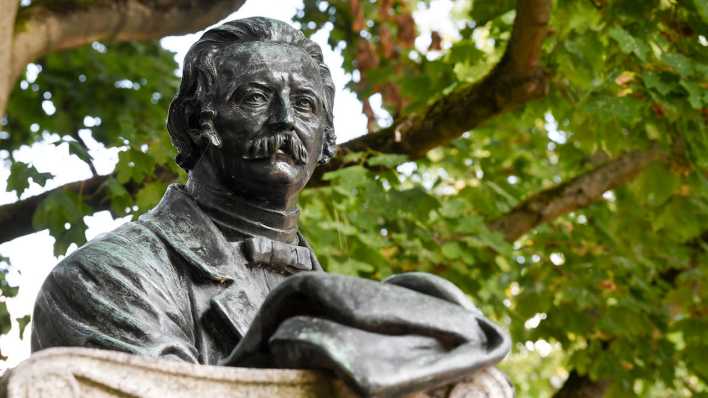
(270, 115)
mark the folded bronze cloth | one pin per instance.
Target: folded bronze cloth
(409, 333)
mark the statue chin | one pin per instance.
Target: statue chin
(281, 168)
(269, 173)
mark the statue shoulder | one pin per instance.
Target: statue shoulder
(112, 293)
(131, 249)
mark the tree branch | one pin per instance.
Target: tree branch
(44, 29)
(577, 386)
(16, 218)
(577, 193)
(518, 78)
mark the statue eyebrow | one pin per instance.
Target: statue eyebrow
(304, 86)
(233, 88)
(237, 74)
(305, 90)
(257, 84)
(299, 84)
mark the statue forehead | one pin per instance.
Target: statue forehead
(242, 59)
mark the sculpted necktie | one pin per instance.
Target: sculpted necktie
(276, 255)
(238, 303)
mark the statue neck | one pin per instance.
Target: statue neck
(238, 217)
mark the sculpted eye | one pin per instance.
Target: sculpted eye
(304, 104)
(255, 99)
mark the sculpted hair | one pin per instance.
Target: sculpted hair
(191, 113)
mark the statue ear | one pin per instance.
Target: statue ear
(206, 124)
(329, 146)
(206, 133)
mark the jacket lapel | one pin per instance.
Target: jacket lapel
(237, 306)
(183, 226)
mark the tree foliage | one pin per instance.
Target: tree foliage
(118, 93)
(615, 288)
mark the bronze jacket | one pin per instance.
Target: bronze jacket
(170, 285)
(167, 285)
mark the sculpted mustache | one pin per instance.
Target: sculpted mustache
(265, 146)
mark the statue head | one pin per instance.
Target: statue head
(256, 102)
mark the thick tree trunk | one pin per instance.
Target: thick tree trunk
(7, 28)
(48, 29)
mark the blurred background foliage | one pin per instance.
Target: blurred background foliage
(614, 292)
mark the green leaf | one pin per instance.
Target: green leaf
(453, 208)
(120, 197)
(414, 202)
(355, 175)
(628, 43)
(77, 149)
(387, 160)
(697, 95)
(623, 321)
(702, 8)
(655, 82)
(354, 157)
(679, 63)
(652, 131)
(578, 16)
(6, 290)
(611, 109)
(62, 213)
(148, 196)
(656, 184)
(464, 52)
(484, 11)
(21, 174)
(22, 323)
(134, 165)
(339, 227)
(452, 250)
(5, 320)
(350, 267)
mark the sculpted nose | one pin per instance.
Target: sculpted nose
(282, 117)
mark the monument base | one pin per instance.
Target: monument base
(91, 373)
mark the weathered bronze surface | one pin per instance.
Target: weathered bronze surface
(206, 276)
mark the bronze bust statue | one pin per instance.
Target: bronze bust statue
(217, 273)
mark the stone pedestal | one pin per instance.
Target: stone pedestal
(89, 373)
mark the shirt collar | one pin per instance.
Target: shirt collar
(179, 221)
